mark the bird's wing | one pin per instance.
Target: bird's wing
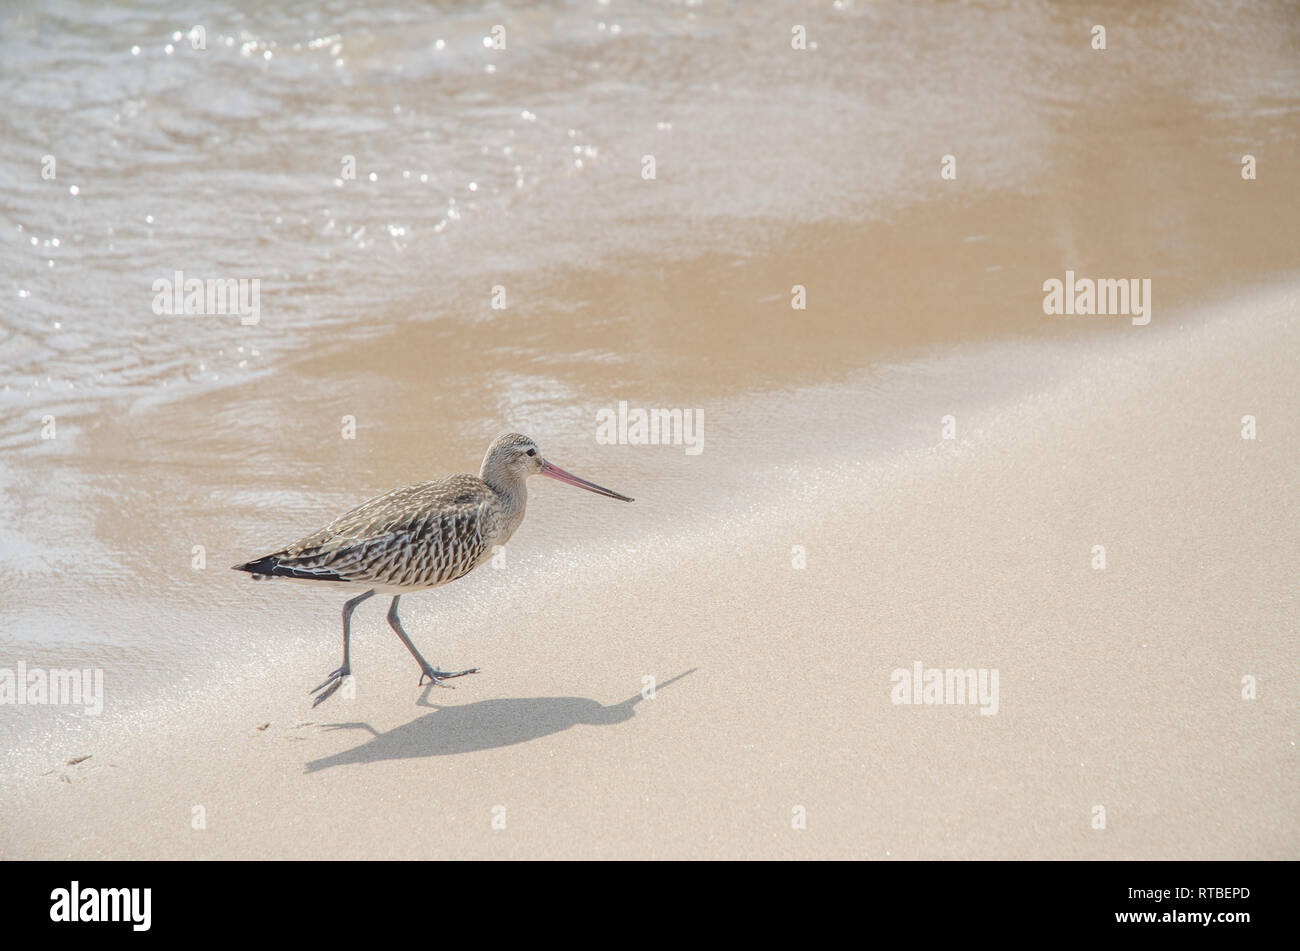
(419, 535)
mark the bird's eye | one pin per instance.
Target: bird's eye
(532, 452)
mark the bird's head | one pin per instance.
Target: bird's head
(513, 457)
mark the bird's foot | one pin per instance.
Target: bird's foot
(437, 677)
(331, 684)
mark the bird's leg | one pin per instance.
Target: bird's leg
(335, 679)
(437, 676)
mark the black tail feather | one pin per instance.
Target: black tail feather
(270, 566)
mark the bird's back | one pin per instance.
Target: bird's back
(416, 536)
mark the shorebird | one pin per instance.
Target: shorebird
(418, 537)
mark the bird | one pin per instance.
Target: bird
(418, 537)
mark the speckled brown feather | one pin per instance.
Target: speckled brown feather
(414, 537)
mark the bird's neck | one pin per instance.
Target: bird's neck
(513, 494)
(511, 487)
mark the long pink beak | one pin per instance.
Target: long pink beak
(568, 478)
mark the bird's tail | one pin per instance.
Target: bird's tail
(278, 565)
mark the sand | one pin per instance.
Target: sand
(1118, 688)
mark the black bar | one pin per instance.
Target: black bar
(933, 900)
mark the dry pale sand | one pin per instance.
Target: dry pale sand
(1118, 688)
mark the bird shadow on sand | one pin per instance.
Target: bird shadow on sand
(485, 725)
